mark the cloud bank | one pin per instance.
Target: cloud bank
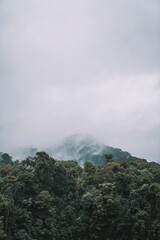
(70, 67)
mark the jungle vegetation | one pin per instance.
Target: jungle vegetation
(45, 199)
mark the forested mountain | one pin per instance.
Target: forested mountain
(79, 147)
(45, 199)
(82, 148)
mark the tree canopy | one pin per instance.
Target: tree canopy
(41, 198)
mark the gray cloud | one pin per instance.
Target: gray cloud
(80, 66)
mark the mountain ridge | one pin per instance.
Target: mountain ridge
(79, 147)
(85, 148)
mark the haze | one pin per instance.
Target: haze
(87, 66)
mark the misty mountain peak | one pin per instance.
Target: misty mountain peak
(84, 148)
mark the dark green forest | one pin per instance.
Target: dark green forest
(45, 199)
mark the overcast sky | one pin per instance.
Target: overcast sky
(80, 66)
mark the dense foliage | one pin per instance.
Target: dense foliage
(44, 199)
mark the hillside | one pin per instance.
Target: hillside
(83, 148)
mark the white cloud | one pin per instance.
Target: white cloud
(81, 66)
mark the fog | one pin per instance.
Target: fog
(88, 66)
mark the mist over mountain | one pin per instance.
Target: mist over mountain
(20, 153)
(79, 147)
(85, 148)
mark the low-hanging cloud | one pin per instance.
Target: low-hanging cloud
(80, 66)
